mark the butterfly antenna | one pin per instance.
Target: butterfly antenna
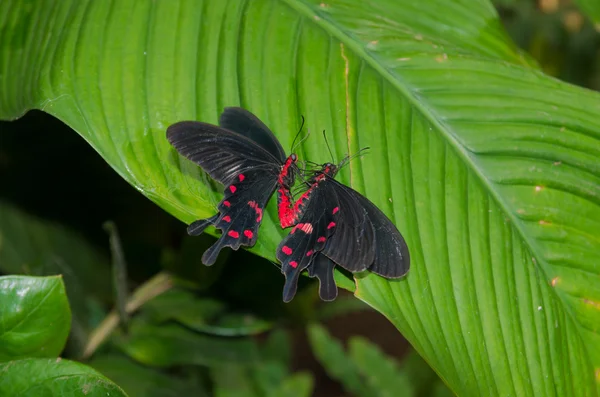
(328, 147)
(298, 134)
(348, 158)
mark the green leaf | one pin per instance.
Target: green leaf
(169, 345)
(138, 380)
(380, 371)
(591, 8)
(298, 385)
(232, 381)
(183, 306)
(336, 362)
(487, 166)
(34, 318)
(36, 247)
(422, 377)
(56, 377)
(203, 315)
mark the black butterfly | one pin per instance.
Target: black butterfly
(246, 157)
(338, 225)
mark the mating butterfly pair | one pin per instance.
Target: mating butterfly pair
(332, 224)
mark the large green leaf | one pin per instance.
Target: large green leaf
(35, 318)
(48, 378)
(487, 166)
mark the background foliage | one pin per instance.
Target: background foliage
(487, 165)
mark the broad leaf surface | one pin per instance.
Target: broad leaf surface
(487, 166)
(54, 377)
(35, 318)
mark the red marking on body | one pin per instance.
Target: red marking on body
(331, 225)
(259, 211)
(227, 218)
(232, 189)
(285, 207)
(321, 240)
(241, 177)
(286, 250)
(233, 233)
(284, 211)
(294, 264)
(309, 253)
(226, 203)
(336, 209)
(248, 233)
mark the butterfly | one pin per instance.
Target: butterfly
(246, 157)
(338, 226)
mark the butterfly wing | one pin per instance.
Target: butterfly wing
(222, 153)
(322, 268)
(353, 244)
(245, 123)
(247, 169)
(390, 253)
(307, 238)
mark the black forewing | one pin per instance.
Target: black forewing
(353, 244)
(307, 238)
(245, 123)
(222, 153)
(391, 257)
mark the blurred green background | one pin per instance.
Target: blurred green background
(221, 330)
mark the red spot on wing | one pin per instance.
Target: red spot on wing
(226, 203)
(232, 189)
(336, 209)
(294, 264)
(227, 218)
(307, 228)
(259, 211)
(321, 240)
(241, 177)
(233, 233)
(286, 250)
(331, 225)
(248, 233)
(309, 253)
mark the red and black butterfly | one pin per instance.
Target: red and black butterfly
(338, 226)
(246, 157)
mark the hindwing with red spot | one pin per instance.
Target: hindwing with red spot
(306, 238)
(242, 154)
(240, 215)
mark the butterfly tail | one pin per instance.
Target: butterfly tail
(197, 228)
(322, 269)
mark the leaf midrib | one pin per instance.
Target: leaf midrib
(397, 82)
